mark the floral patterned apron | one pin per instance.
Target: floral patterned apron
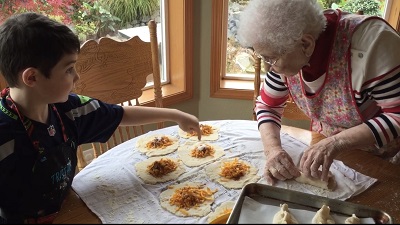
(332, 108)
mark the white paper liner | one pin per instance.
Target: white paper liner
(262, 210)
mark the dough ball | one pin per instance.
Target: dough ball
(283, 216)
(323, 216)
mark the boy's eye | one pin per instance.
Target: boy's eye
(70, 70)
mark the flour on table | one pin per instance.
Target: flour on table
(185, 153)
(148, 178)
(247, 174)
(166, 144)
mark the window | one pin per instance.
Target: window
(178, 38)
(180, 57)
(178, 26)
(235, 86)
(239, 61)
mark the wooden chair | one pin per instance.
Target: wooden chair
(291, 110)
(116, 72)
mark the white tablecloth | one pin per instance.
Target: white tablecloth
(111, 189)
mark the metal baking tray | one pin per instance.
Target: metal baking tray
(305, 201)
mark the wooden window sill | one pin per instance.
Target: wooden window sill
(232, 89)
(172, 94)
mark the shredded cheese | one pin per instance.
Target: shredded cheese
(159, 142)
(190, 196)
(161, 167)
(234, 169)
(205, 130)
(202, 151)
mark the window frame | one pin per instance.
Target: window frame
(179, 24)
(221, 87)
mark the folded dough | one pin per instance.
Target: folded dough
(323, 216)
(352, 220)
(284, 216)
(330, 185)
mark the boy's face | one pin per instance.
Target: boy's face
(62, 80)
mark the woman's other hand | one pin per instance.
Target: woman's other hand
(319, 155)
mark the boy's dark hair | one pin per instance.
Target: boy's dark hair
(33, 40)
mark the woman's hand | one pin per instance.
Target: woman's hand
(279, 166)
(320, 154)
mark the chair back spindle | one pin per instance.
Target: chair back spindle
(117, 72)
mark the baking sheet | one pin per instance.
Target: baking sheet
(258, 203)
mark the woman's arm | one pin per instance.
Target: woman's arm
(269, 108)
(321, 154)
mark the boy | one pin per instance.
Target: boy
(42, 122)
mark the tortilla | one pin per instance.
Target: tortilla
(209, 137)
(185, 153)
(214, 169)
(142, 171)
(142, 142)
(199, 210)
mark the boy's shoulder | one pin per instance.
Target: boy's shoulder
(80, 105)
(6, 115)
(9, 124)
(74, 101)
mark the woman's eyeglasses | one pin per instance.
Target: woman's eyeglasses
(271, 62)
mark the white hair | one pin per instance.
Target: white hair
(279, 24)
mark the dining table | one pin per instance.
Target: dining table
(383, 192)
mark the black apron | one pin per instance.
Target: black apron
(52, 172)
(52, 176)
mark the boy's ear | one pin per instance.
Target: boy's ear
(29, 76)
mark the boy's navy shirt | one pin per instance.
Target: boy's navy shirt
(85, 120)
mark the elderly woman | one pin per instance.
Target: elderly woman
(341, 69)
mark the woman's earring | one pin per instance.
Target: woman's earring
(308, 57)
